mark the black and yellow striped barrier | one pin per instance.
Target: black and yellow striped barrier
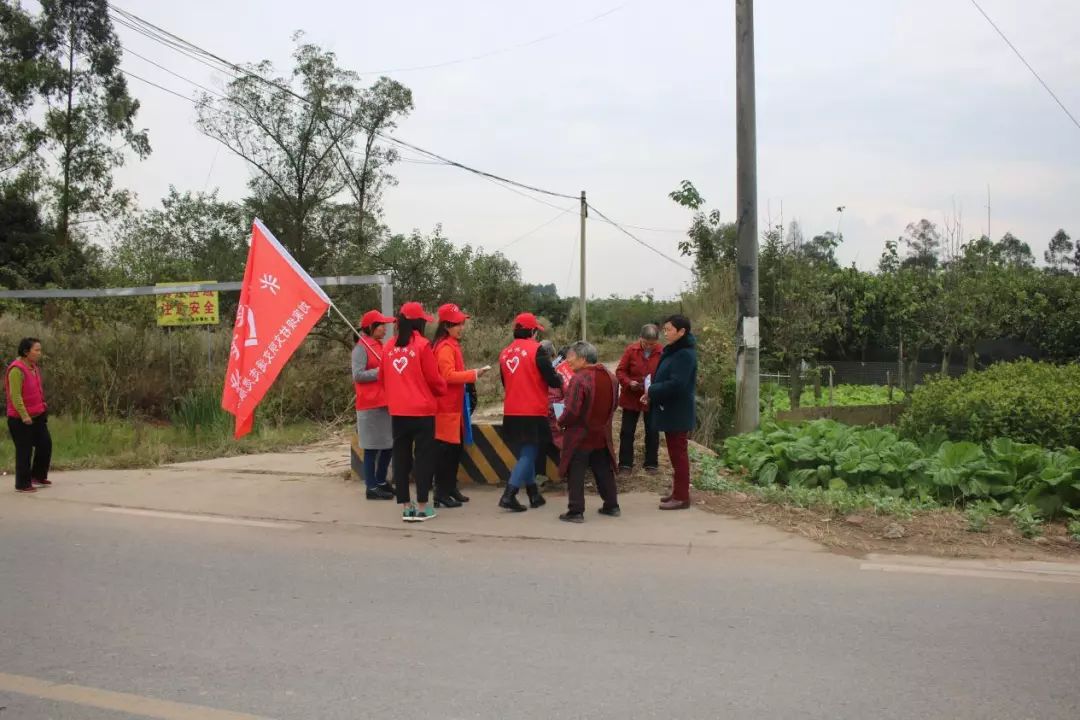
(487, 461)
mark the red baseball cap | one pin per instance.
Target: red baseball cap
(415, 311)
(374, 317)
(527, 321)
(451, 313)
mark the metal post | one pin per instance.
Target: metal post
(747, 402)
(386, 299)
(581, 299)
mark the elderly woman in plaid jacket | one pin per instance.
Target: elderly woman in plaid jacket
(591, 401)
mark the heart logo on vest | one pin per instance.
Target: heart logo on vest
(400, 364)
(512, 364)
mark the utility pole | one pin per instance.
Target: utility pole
(581, 299)
(747, 395)
(988, 235)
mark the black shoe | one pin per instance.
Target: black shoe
(379, 492)
(456, 494)
(652, 469)
(535, 498)
(447, 501)
(612, 511)
(509, 500)
(572, 517)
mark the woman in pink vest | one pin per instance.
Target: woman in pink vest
(28, 418)
(372, 417)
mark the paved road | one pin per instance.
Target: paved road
(323, 622)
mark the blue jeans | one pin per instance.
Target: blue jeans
(376, 465)
(524, 473)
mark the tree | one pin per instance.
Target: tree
(88, 108)
(821, 250)
(20, 77)
(1059, 257)
(191, 237)
(379, 109)
(294, 146)
(431, 270)
(1013, 252)
(923, 243)
(545, 302)
(710, 242)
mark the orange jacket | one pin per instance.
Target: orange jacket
(451, 406)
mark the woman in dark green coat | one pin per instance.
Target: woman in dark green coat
(671, 403)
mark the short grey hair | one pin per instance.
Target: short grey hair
(549, 347)
(585, 351)
(650, 332)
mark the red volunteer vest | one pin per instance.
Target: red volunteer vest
(526, 390)
(370, 395)
(407, 391)
(32, 393)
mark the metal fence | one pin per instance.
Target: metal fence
(864, 373)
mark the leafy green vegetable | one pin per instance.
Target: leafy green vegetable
(1003, 474)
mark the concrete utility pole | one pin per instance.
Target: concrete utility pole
(747, 396)
(581, 299)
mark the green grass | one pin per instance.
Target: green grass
(82, 444)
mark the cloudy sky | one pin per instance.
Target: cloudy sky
(895, 109)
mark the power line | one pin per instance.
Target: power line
(533, 231)
(1026, 64)
(638, 240)
(500, 51)
(128, 51)
(171, 40)
(180, 95)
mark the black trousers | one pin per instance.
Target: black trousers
(626, 440)
(415, 454)
(600, 463)
(447, 471)
(33, 450)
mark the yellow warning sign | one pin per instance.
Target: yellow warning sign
(188, 308)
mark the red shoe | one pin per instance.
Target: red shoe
(30, 489)
(42, 483)
(674, 504)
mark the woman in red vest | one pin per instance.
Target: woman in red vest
(372, 418)
(450, 417)
(410, 377)
(28, 418)
(526, 375)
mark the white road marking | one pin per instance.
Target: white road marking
(118, 702)
(218, 519)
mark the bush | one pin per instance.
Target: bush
(1026, 401)
(128, 371)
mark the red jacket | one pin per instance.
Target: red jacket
(411, 378)
(526, 389)
(370, 395)
(633, 368)
(451, 406)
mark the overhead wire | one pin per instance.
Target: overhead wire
(535, 230)
(172, 40)
(500, 51)
(638, 240)
(1026, 64)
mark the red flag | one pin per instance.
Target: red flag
(279, 304)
